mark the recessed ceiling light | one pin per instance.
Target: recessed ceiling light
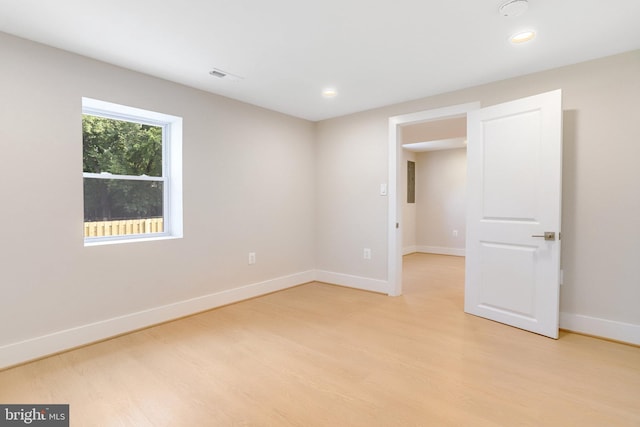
(329, 93)
(522, 37)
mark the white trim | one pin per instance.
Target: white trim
(440, 250)
(394, 210)
(110, 110)
(129, 238)
(172, 161)
(409, 250)
(357, 282)
(34, 348)
(171, 165)
(611, 329)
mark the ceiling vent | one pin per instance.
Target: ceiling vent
(216, 72)
(514, 8)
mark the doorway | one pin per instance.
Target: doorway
(396, 180)
(514, 175)
(433, 184)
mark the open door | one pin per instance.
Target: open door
(514, 175)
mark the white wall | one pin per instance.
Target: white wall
(248, 186)
(305, 197)
(441, 200)
(601, 205)
(351, 211)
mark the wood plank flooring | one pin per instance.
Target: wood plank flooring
(322, 355)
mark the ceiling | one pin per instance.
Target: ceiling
(374, 53)
(444, 134)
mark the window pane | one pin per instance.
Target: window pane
(113, 200)
(121, 147)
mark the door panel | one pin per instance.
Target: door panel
(508, 278)
(511, 148)
(514, 158)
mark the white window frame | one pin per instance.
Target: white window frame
(171, 167)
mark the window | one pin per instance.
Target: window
(132, 173)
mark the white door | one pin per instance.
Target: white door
(514, 160)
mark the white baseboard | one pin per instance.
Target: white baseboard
(409, 250)
(441, 250)
(35, 348)
(364, 283)
(604, 328)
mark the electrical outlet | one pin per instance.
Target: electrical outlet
(367, 253)
(252, 258)
(455, 233)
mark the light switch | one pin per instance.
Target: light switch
(383, 189)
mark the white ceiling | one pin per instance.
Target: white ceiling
(373, 52)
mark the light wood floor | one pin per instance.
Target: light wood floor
(321, 355)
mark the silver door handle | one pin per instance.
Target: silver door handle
(548, 235)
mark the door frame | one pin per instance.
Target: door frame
(394, 215)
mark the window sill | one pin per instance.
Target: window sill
(135, 239)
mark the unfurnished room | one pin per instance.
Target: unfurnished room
(337, 213)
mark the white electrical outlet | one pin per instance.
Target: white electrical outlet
(252, 258)
(367, 253)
